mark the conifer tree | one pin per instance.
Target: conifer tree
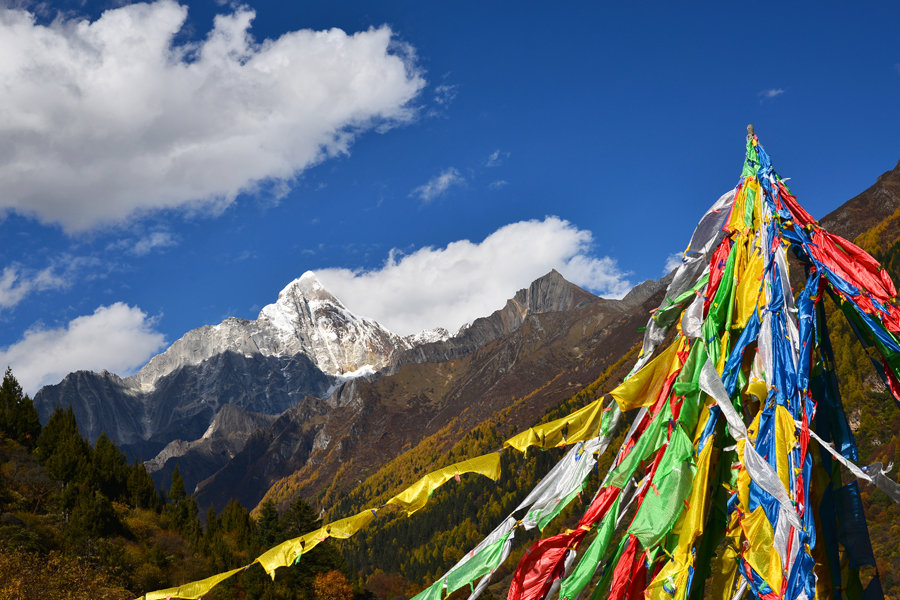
(18, 417)
(182, 509)
(268, 528)
(141, 491)
(61, 449)
(109, 469)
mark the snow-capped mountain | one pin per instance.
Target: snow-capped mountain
(305, 343)
(306, 319)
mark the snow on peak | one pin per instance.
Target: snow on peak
(438, 334)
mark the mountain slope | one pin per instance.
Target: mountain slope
(300, 345)
(547, 356)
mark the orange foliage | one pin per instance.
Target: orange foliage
(332, 586)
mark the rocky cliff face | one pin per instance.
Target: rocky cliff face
(224, 438)
(183, 403)
(869, 209)
(549, 341)
(550, 293)
(304, 344)
(306, 319)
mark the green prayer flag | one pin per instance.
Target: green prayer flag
(670, 486)
(581, 575)
(477, 566)
(432, 592)
(647, 443)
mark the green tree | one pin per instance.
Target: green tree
(18, 417)
(92, 515)
(62, 450)
(236, 522)
(109, 469)
(268, 527)
(182, 509)
(141, 491)
(299, 518)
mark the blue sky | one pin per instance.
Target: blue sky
(162, 170)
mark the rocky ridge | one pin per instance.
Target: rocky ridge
(552, 337)
(306, 343)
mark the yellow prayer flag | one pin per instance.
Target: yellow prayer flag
(761, 556)
(669, 583)
(749, 284)
(191, 590)
(785, 440)
(346, 527)
(286, 553)
(643, 388)
(690, 523)
(416, 496)
(579, 426)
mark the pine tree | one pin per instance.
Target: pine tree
(61, 449)
(18, 417)
(109, 469)
(268, 528)
(182, 509)
(236, 521)
(141, 491)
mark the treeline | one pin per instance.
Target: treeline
(400, 555)
(78, 521)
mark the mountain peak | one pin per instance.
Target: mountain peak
(552, 293)
(307, 287)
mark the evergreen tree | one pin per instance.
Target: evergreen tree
(236, 522)
(182, 509)
(268, 528)
(141, 491)
(300, 518)
(92, 515)
(109, 469)
(62, 450)
(18, 417)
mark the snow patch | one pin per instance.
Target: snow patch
(363, 371)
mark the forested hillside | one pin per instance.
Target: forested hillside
(78, 522)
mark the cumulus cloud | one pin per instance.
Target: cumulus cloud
(769, 94)
(107, 119)
(118, 338)
(450, 286)
(438, 185)
(17, 282)
(673, 261)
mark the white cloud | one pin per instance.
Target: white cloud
(107, 119)
(156, 239)
(496, 158)
(438, 185)
(496, 185)
(444, 94)
(673, 261)
(118, 338)
(769, 94)
(16, 283)
(450, 286)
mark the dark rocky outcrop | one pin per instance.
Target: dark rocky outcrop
(183, 403)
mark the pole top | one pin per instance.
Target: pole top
(750, 130)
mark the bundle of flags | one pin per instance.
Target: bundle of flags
(728, 482)
(730, 468)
